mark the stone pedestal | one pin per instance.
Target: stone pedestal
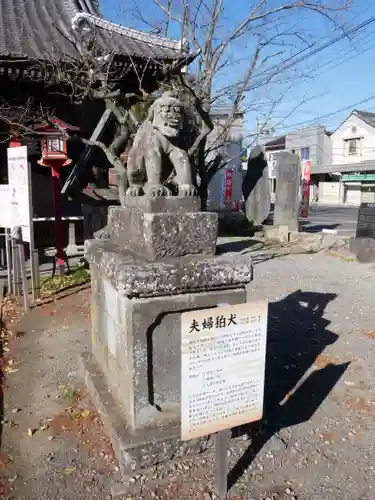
(363, 248)
(140, 287)
(157, 235)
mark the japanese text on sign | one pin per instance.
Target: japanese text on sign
(223, 361)
(213, 322)
(19, 178)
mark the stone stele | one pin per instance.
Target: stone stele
(363, 244)
(288, 180)
(155, 259)
(255, 188)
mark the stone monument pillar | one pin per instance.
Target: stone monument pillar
(255, 187)
(363, 244)
(155, 260)
(288, 181)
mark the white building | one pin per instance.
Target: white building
(225, 188)
(342, 162)
(353, 157)
(354, 140)
(310, 144)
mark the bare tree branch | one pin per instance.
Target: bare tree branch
(232, 56)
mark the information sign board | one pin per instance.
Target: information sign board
(223, 354)
(19, 179)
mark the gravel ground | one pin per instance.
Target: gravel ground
(315, 442)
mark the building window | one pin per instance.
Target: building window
(305, 154)
(353, 146)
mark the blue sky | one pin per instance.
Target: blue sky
(336, 78)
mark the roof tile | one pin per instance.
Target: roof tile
(34, 28)
(366, 116)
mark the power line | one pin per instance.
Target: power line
(306, 56)
(291, 60)
(292, 127)
(346, 59)
(346, 108)
(331, 42)
(365, 49)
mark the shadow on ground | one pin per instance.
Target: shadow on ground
(238, 246)
(318, 228)
(297, 335)
(235, 224)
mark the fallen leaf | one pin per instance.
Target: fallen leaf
(69, 470)
(85, 413)
(11, 370)
(370, 334)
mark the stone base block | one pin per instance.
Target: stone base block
(278, 233)
(136, 343)
(283, 234)
(157, 235)
(164, 204)
(146, 447)
(135, 277)
(363, 248)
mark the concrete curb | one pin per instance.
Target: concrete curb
(310, 242)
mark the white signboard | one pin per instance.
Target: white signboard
(19, 178)
(5, 212)
(223, 353)
(271, 160)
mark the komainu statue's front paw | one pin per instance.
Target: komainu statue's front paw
(155, 190)
(187, 190)
(134, 191)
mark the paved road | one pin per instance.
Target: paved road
(337, 218)
(316, 442)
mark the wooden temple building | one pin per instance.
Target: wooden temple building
(60, 58)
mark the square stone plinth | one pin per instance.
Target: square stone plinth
(363, 248)
(135, 277)
(134, 369)
(136, 343)
(145, 447)
(163, 234)
(160, 204)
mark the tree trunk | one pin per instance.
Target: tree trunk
(201, 169)
(203, 193)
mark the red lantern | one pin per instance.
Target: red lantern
(55, 156)
(54, 148)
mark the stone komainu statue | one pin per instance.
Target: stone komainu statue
(158, 162)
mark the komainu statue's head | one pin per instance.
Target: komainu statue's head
(167, 114)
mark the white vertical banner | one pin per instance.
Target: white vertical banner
(5, 212)
(19, 178)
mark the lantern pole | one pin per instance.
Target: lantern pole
(54, 156)
(59, 232)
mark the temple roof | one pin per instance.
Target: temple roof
(33, 29)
